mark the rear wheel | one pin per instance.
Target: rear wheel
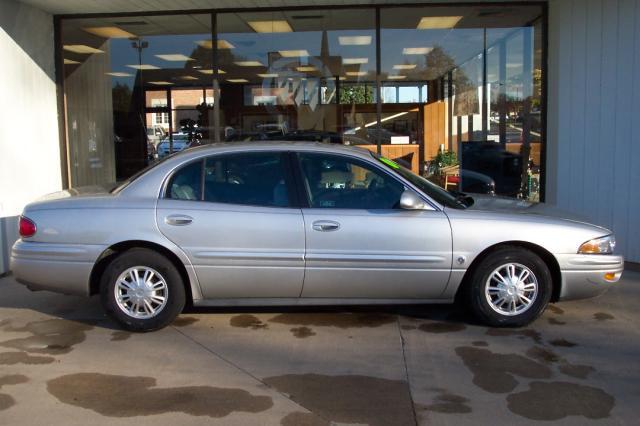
(142, 290)
(511, 287)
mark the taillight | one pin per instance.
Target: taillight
(27, 227)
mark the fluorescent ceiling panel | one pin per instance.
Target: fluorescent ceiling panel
(237, 80)
(355, 61)
(438, 22)
(222, 44)
(175, 57)
(81, 48)
(270, 26)
(356, 73)
(188, 77)
(396, 77)
(306, 68)
(249, 64)
(109, 32)
(293, 53)
(404, 66)
(119, 74)
(354, 40)
(416, 50)
(267, 75)
(210, 72)
(161, 83)
(143, 67)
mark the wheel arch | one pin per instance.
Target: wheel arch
(114, 250)
(548, 258)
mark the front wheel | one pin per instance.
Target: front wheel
(142, 290)
(511, 287)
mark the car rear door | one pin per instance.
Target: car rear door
(232, 215)
(359, 244)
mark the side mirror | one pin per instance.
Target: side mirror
(409, 200)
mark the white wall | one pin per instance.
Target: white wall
(29, 143)
(594, 114)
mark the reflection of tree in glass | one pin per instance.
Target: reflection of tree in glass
(121, 94)
(356, 94)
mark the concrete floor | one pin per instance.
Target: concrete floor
(63, 362)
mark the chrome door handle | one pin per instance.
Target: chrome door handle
(178, 220)
(326, 225)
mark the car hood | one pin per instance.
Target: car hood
(513, 205)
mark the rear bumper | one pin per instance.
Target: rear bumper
(62, 268)
(585, 276)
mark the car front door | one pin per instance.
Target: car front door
(359, 243)
(231, 215)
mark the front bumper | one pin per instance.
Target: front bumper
(588, 275)
(62, 268)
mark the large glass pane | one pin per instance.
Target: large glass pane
(297, 75)
(461, 89)
(131, 86)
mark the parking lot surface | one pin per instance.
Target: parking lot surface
(63, 362)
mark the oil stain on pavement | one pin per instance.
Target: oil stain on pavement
(494, 372)
(521, 334)
(349, 398)
(340, 320)
(302, 332)
(184, 321)
(13, 358)
(449, 403)
(118, 336)
(603, 316)
(547, 356)
(557, 400)
(303, 419)
(127, 396)
(441, 327)
(247, 321)
(51, 337)
(7, 401)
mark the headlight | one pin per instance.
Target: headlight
(603, 245)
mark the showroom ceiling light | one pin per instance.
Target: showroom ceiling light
(208, 44)
(119, 74)
(404, 66)
(438, 22)
(270, 26)
(143, 67)
(70, 62)
(210, 72)
(396, 77)
(267, 75)
(356, 73)
(109, 32)
(293, 53)
(161, 83)
(354, 40)
(355, 61)
(188, 77)
(416, 50)
(306, 68)
(81, 48)
(237, 80)
(249, 64)
(175, 57)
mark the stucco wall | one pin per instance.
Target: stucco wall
(594, 110)
(29, 144)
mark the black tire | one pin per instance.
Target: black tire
(175, 295)
(477, 299)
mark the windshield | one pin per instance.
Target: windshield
(429, 188)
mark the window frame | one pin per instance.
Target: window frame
(285, 163)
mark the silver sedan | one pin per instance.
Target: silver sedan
(280, 223)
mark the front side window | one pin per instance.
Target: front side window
(338, 182)
(256, 178)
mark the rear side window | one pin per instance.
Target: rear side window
(186, 183)
(255, 178)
